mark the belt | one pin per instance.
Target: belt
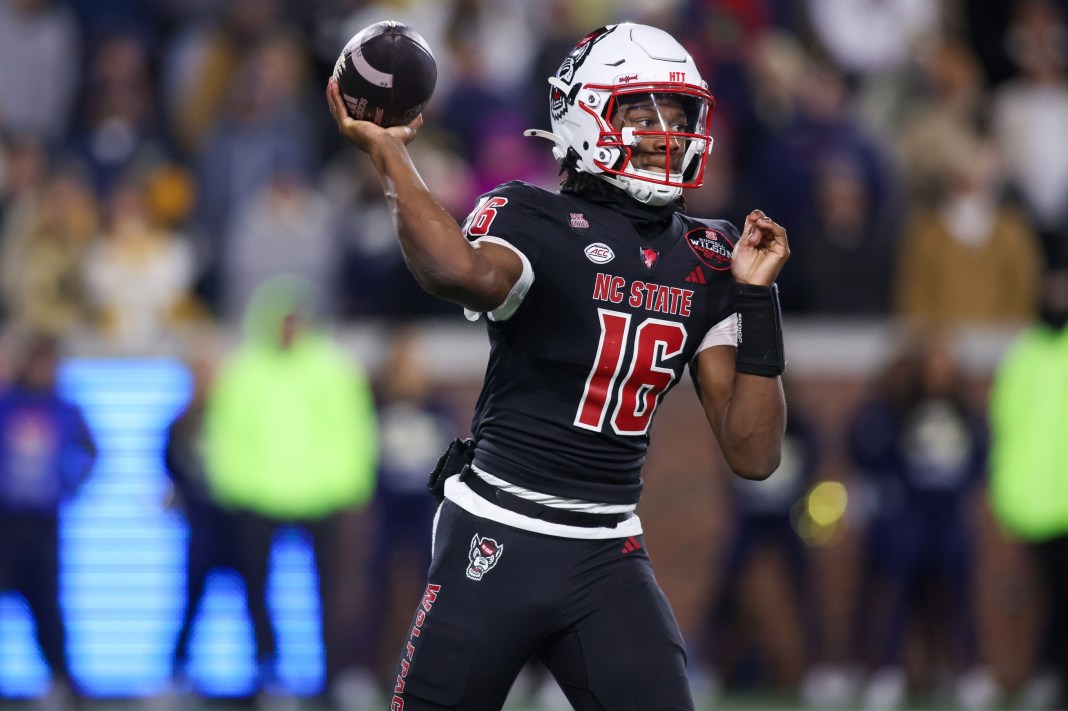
(533, 509)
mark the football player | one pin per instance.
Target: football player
(596, 297)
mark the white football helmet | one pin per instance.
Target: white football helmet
(626, 87)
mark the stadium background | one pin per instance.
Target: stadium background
(211, 113)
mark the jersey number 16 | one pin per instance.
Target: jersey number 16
(639, 390)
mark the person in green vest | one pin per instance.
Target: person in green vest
(1029, 472)
(290, 437)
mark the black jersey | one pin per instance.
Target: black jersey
(607, 327)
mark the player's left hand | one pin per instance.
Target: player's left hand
(761, 252)
(364, 134)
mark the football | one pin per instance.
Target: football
(386, 74)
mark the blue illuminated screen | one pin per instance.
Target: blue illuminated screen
(122, 563)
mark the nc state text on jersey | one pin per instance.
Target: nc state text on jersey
(643, 295)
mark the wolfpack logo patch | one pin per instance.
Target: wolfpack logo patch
(712, 247)
(649, 257)
(599, 253)
(484, 554)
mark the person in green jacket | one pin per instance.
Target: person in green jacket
(1029, 472)
(290, 437)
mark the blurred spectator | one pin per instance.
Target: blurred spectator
(1029, 475)
(118, 132)
(375, 281)
(262, 131)
(40, 52)
(729, 40)
(290, 439)
(201, 62)
(23, 168)
(498, 32)
(190, 15)
(970, 259)
(922, 447)
(983, 22)
(484, 74)
(558, 28)
(1029, 116)
(415, 426)
(774, 68)
(842, 260)
(948, 106)
(286, 227)
(46, 453)
(811, 130)
(474, 103)
(844, 29)
(877, 62)
(46, 235)
(806, 158)
(100, 18)
(370, 259)
(139, 275)
(210, 543)
(762, 526)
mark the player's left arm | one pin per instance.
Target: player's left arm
(740, 388)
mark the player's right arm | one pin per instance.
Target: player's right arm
(478, 277)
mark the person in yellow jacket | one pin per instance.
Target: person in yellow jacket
(1029, 472)
(290, 437)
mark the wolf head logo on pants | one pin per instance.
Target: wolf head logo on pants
(484, 555)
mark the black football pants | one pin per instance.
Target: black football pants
(591, 610)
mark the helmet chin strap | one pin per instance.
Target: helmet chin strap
(643, 191)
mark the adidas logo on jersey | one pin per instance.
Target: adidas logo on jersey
(631, 545)
(696, 276)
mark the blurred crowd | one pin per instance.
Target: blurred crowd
(164, 162)
(160, 158)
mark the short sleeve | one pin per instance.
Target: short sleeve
(509, 216)
(724, 333)
(518, 292)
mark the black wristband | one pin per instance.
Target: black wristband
(760, 349)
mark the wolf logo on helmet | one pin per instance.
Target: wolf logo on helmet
(566, 72)
(616, 71)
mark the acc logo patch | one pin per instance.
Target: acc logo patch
(599, 253)
(484, 554)
(712, 247)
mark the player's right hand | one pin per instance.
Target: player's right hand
(364, 134)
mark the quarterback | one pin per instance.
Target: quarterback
(596, 298)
